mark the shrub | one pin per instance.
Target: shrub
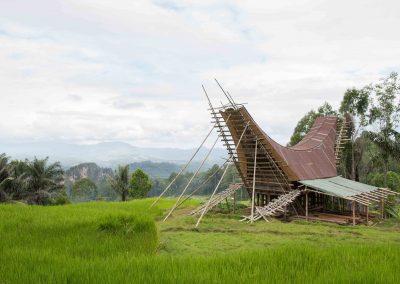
(140, 229)
(61, 199)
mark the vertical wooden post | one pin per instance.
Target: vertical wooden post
(254, 182)
(354, 212)
(285, 208)
(268, 198)
(367, 209)
(307, 205)
(227, 204)
(234, 202)
(382, 208)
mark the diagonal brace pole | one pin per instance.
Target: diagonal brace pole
(183, 169)
(212, 195)
(191, 179)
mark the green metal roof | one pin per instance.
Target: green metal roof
(339, 186)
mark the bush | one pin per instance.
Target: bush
(140, 228)
(61, 199)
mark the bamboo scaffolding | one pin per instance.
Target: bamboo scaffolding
(182, 169)
(218, 198)
(191, 179)
(212, 195)
(230, 158)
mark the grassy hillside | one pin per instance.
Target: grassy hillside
(127, 243)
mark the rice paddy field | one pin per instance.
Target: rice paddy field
(115, 242)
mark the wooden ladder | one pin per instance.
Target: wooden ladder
(274, 207)
(342, 138)
(218, 198)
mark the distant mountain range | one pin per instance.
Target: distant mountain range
(109, 154)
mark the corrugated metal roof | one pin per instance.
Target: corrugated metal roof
(312, 158)
(339, 186)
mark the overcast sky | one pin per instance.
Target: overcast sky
(87, 71)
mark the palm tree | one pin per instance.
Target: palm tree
(4, 177)
(120, 181)
(43, 179)
(18, 186)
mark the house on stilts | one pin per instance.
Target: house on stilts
(300, 181)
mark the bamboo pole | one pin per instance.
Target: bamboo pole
(203, 183)
(191, 179)
(234, 202)
(227, 161)
(184, 168)
(254, 183)
(212, 195)
(306, 205)
(226, 95)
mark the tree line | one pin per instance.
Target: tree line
(40, 182)
(373, 154)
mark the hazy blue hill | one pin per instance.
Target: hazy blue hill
(99, 174)
(157, 170)
(109, 154)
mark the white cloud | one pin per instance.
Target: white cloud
(88, 71)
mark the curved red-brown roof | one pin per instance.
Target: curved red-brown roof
(312, 158)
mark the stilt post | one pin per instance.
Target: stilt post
(254, 183)
(306, 205)
(234, 202)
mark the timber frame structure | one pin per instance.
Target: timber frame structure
(294, 180)
(300, 181)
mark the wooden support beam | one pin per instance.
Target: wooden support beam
(212, 195)
(254, 183)
(306, 205)
(227, 204)
(234, 202)
(354, 212)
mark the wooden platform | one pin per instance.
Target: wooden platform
(332, 218)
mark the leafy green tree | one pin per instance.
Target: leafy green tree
(307, 121)
(84, 189)
(42, 180)
(355, 103)
(120, 181)
(105, 191)
(140, 184)
(378, 179)
(385, 115)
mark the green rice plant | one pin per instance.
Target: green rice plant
(115, 242)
